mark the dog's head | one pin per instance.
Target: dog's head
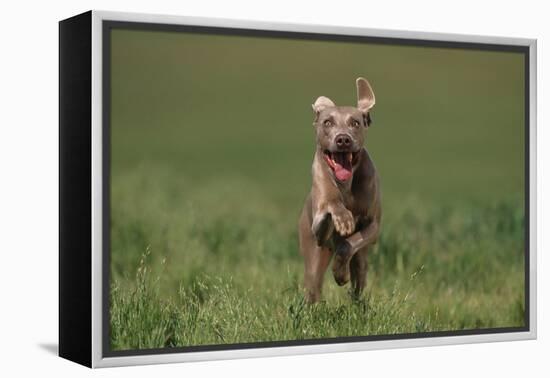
(340, 130)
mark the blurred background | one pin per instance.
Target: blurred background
(212, 143)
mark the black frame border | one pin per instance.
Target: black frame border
(75, 188)
(109, 25)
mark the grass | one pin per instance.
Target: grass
(210, 165)
(229, 271)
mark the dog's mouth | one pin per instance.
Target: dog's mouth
(341, 163)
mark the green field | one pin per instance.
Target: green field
(212, 142)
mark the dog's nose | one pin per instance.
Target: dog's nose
(343, 140)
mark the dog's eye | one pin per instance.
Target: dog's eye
(327, 123)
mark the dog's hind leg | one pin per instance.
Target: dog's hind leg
(358, 268)
(316, 257)
(316, 264)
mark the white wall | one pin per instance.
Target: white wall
(28, 200)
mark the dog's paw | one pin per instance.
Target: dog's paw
(340, 270)
(343, 220)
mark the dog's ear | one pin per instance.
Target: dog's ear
(365, 98)
(321, 103)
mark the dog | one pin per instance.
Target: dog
(341, 215)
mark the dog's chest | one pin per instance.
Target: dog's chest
(354, 203)
(357, 201)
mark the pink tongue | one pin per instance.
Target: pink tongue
(342, 173)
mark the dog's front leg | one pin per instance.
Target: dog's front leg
(322, 227)
(346, 248)
(363, 237)
(332, 217)
(343, 219)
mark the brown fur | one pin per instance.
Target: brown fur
(340, 218)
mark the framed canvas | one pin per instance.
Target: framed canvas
(235, 189)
